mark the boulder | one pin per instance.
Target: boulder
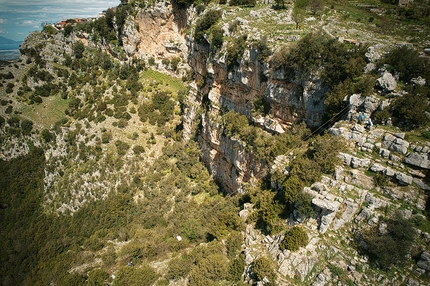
(358, 178)
(424, 262)
(404, 179)
(418, 160)
(372, 54)
(320, 188)
(365, 214)
(387, 82)
(376, 167)
(385, 153)
(350, 209)
(359, 163)
(323, 278)
(395, 143)
(331, 206)
(346, 158)
(418, 81)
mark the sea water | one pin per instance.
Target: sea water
(9, 54)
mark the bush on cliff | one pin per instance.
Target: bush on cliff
(407, 62)
(205, 23)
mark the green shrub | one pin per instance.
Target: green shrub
(382, 116)
(78, 49)
(407, 62)
(324, 150)
(380, 180)
(97, 277)
(9, 87)
(250, 3)
(106, 137)
(165, 62)
(179, 267)
(234, 243)
(121, 147)
(392, 247)
(412, 108)
(14, 122)
(235, 51)
(205, 23)
(209, 270)
(135, 276)
(26, 126)
(8, 109)
(263, 267)
(236, 268)
(175, 62)
(217, 37)
(304, 204)
(294, 238)
(46, 135)
(291, 188)
(263, 49)
(138, 149)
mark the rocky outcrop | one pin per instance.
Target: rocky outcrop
(160, 31)
(424, 262)
(396, 143)
(361, 104)
(228, 161)
(418, 160)
(387, 82)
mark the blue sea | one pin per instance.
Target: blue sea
(9, 54)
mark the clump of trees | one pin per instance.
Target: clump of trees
(158, 110)
(409, 109)
(391, 245)
(338, 64)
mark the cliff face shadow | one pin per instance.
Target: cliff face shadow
(180, 16)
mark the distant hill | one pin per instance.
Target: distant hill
(8, 44)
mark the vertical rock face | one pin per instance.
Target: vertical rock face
(228, 161)
(237, 90)
(157, 31)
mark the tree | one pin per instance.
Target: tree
(412, 107)
(392, 247)
(298, 16)
(78, 49)
(26, 126)
(407, 62)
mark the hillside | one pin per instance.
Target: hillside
(206, 143)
